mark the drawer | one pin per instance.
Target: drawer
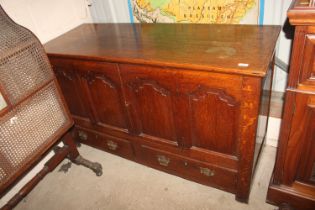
(188, 168)
(105, 142)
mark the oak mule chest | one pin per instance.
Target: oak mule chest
(182, 98)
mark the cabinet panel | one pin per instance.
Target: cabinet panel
(306, 172)
(213, 110)
(106, 99)
(301, 145)
(150, 94)
(104, 91)
(155, 108)
(214, 120)
(71, 88)
(307, 75)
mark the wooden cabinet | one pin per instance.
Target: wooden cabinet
(190, 109)
(293, 183)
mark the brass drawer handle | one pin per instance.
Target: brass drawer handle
(112, 145)
(164, 161)
(207, 171)
(82, 135)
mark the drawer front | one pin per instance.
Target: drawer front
(188, 168)
(105, 142)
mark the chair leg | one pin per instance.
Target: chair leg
(76, 158)
(48, 167)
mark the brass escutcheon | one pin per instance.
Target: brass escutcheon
(112, 145)
(164, 161)
(207, 171)
(82, 135)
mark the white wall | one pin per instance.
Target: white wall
(276, 14)
(109, 11)
(48, 18)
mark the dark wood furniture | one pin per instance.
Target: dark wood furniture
(293, 180)
(33, 114)
(183, 99)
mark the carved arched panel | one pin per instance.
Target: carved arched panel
(214, 120)
(154, 107)
(107, 100)
(72, 91)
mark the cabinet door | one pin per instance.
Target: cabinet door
(71, 87)
(104, 93)
(300, 154)
(150, 94)
(211, 110)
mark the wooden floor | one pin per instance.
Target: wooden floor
(126, 185)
